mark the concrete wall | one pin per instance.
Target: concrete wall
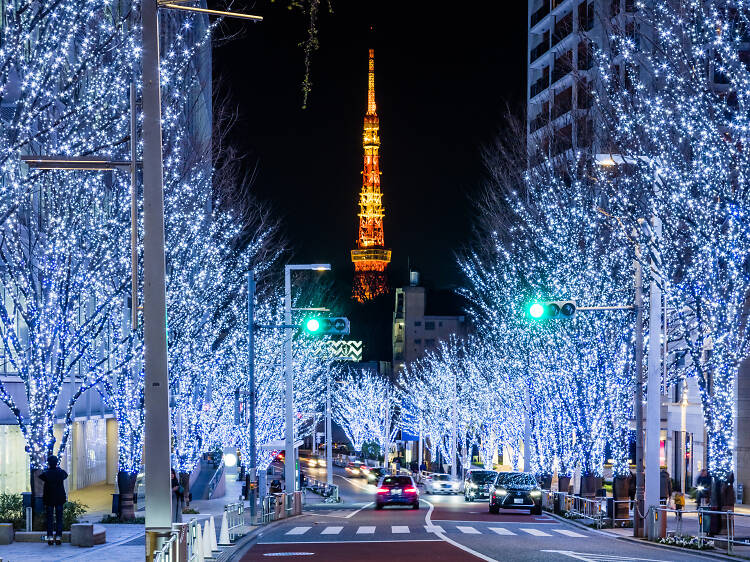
(742, 429)
(112, 447)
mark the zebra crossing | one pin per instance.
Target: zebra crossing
(307, 531)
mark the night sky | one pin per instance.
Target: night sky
(443, 81)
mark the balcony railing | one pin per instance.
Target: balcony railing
(538, 16)
(540, 49)
(539, 86)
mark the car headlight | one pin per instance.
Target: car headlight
(471, 486)
(536, 494)
(500, 492)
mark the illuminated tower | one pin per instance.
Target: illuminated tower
(370, 256)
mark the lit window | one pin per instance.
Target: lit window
(429, 325)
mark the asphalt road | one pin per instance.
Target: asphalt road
(445, 528)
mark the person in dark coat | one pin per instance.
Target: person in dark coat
(704, 487)
(178, 498)
(54, 498)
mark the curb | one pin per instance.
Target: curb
(243, 545)
(331, 506)
(644, 542)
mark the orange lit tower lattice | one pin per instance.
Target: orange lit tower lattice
(370, 256)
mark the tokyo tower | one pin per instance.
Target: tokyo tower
(370, 257)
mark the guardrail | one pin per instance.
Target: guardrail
(235, 519)
(328, 491)
(584, 508)
(168, 551)
(726, 537)
(171, 549)
(215, 479)
(548, 500)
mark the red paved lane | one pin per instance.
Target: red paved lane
(413, 551)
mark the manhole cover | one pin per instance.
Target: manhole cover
(290, 554)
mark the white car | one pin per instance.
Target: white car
(441, 484)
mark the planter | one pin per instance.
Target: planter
(590, 483)
(126, 486)
(621, 493)
(545, 481)
(6, 533)
(563, 484)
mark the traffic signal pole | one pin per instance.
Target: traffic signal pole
(251, 388)
(638, 512)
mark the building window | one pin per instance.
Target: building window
(418, 341)
(429, 325)
(440, 324)
(417, 323)
(429, 343)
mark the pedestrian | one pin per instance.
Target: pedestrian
(54, 499)
(703, 485)
(178, 498)
(679, 504)
(665, 485)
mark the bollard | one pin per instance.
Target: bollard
(280, 506)
(297, 510)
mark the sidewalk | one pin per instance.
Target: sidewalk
(125, 542)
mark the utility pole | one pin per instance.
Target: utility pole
(638, 512)
(329, 437)
(251, 384)
(157, 445)
(289, 476)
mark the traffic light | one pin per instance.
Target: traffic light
(318, 326)
(552, 310)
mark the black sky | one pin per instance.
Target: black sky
(444, 76)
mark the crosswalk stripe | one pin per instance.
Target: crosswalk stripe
(569, 533)
(434, 529)
(366, 530)
(399, 529)
(467, 530)
(331, 531)
(298, 531)
(501, 531)
(536, 532)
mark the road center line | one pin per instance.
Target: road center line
(428, 521)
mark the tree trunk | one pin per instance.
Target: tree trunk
(563, 484)
(126, 486)
(590, 483)
(185, 483)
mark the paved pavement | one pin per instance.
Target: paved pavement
(444, 528)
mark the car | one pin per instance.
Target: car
(356, 468)
(374, 474)
(515, 490)
(397, 490)
(477, 484)
(441, 484)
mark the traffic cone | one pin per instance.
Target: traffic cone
(224, 531)
(212, 529)
(198, 547)
(207, 553)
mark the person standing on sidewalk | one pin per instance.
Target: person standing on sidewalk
(54, 498)
(177, 498)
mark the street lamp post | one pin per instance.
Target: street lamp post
(290, 479)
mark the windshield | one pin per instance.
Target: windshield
(515, 480)
(397, 481)
(484, 477)
(441, 477)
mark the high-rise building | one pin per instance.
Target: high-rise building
(370, 257)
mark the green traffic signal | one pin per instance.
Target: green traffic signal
(536, 310)
(312, 325)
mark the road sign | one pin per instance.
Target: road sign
(345, 350)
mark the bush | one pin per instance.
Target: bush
(687, 541)
(11, 510)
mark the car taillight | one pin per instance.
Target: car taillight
(382, 490)
(410, 490)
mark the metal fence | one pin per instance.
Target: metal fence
(171, 548)
(215, 479)
(235, 519)
(328, 491)
(168, 551)
(702, 525)
(593, 509)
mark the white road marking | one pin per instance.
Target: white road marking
(598, 557)
(298, 531)
(331, 531)
(569, 533)
(400, 529)
(366, 530)
(468, 530)
(535, 532)
(353, 513)
(434, 529)
(428, 521)
(501, 531)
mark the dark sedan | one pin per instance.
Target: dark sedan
(515, 490)
(477, 484)
(397, 490)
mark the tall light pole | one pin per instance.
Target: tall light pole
(653, 396)
(329, 437)
(290, 479)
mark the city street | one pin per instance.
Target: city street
(445, 528)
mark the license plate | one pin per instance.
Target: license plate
(395, 492)
(517, 500)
